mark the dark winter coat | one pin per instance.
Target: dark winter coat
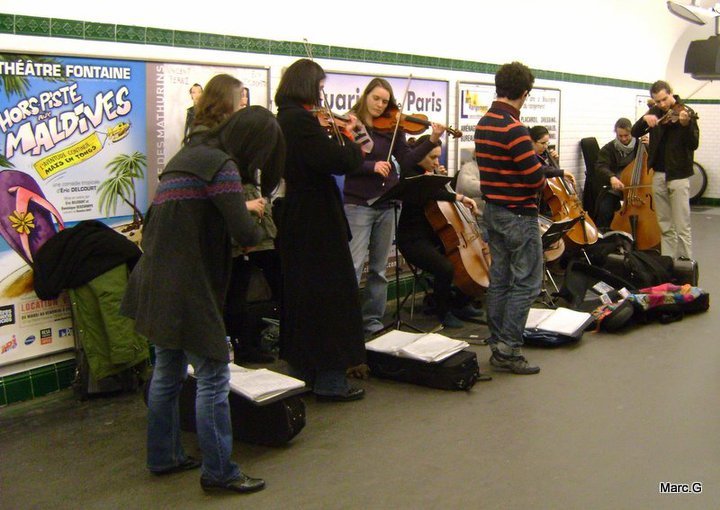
(176, 292)
(321, 320)
(672, 145)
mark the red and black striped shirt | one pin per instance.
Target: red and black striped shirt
(510, 173)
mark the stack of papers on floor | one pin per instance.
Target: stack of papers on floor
(428, 347)
(261, 385)
(561, 320)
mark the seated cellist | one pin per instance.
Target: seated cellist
(419, 243)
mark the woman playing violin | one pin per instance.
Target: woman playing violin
(321, 334)
(674, 136)
(419, 243)
(373, 228)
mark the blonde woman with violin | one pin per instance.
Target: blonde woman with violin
(674, 137)
(373, 228)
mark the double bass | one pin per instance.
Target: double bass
(637, 215)
(565, 204)
(456, 227)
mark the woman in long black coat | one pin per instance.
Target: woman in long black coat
(321, 333)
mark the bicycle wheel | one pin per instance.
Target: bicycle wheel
(698, 183)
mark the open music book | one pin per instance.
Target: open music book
(561, 320)
(428, 347)
(261, 385)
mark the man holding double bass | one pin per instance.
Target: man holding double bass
(674, 136)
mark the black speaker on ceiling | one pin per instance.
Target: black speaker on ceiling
(702, 60)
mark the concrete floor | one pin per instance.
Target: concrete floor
(600, 427)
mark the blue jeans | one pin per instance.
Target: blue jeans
(323, 382)
(212, 410)
(515, 275)
(372, 238)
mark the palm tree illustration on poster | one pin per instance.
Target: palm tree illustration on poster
(72, 148)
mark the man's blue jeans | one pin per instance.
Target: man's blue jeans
(515, 275)
(212, 409)
(372, 237)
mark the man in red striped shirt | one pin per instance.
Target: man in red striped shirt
(510, 178)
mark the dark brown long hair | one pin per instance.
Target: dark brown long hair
(218, 101)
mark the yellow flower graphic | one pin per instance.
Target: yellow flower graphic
(22, 222)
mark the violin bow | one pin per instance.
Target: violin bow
(336, 130)
(397, 122)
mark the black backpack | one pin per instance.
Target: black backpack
(647, 268)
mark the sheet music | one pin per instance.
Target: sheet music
(433, 347)
(392, 341)
(561, 320)
(421, 346)
(261, 384)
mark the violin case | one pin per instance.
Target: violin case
(271, 424)
(457, 372)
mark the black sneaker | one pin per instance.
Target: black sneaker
(514, 364)
(242, 485)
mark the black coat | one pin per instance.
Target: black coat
(610, 163)
(672, 145)
(321, 319)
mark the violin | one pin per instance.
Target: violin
(411, 124)
(335, 124)
(673, 114)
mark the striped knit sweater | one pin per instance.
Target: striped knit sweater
(510, 173)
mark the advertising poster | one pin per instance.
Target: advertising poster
(169, 98)
(424, 97)
(73, 148)
(474, 100)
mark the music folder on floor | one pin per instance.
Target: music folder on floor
(428, 347)
(262, 386)
(560, 320)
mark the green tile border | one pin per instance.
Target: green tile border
(715, 202)
(701, 101)
(36, 382)
(57, 27)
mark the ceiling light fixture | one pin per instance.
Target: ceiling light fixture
(692, 12)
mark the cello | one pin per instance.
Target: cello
(565, 204)
(637, 216)
(460, 235)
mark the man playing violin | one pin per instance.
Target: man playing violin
(674, 137)
(510, 178)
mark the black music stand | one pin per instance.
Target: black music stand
(552, 235)
(416, 189)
